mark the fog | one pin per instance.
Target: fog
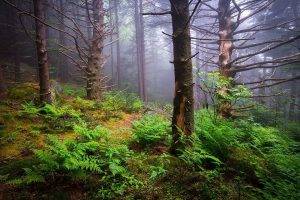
(138, 50)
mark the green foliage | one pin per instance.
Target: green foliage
(83, 104)
(120, 101)
(222, 90)
(89, 154)
(196, 156)
(73, 90)
(256, 154)
(29, 109)
(151, 130)
(25, 91)
(263, 115)
(56, 111)
(159, 170)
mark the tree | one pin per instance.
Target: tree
(225, 53)
(42, 55)
(118, 52)
(94, 70)
(63, 64)
(183, 103)
(140, 47)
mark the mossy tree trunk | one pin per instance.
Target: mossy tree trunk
(183, 113)
(94, 71)
(42, 55)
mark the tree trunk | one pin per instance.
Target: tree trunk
(118, 52)
(63, 64)
(94, 70)
(111, 39)
(225, 53)
(293, 97)
(183, 112)
(140, 46)
(42, 55)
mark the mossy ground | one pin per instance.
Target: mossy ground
(21, 133)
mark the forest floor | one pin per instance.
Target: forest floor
(235, 162)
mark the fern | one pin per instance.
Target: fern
(151, 129)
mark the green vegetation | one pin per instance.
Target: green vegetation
(151, 130)
(82, 144)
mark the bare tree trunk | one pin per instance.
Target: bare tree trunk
(12, 19)
(140, 45)
(42, 55)
(183, 112)
(292, 106)
(63, 64)
(143, 52)
(95, 62)
(225, 53)
(111, 38)
(118, 52)
(89, 30)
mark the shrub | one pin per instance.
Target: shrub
(56, 111)
(83, 104)
(120, 101)
(73, 90)
(151, 130)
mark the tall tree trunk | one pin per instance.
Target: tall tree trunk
(143, 52)
(293, 97)
(111, 38)
(63, 64)
(183, 111)
(140, 46)
(42, 55)
(118, 51)
(12, 20)
(225, 53)
(94, 70)
(89, 30)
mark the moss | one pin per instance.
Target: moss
(24, 92)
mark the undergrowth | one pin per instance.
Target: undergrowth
(89, 157)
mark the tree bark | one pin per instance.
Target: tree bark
(42, 55)
(95, 61)
(183, 111)
(140, 46)
(293, 96)
(118, 52)
(225, 53)
(63, 64)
